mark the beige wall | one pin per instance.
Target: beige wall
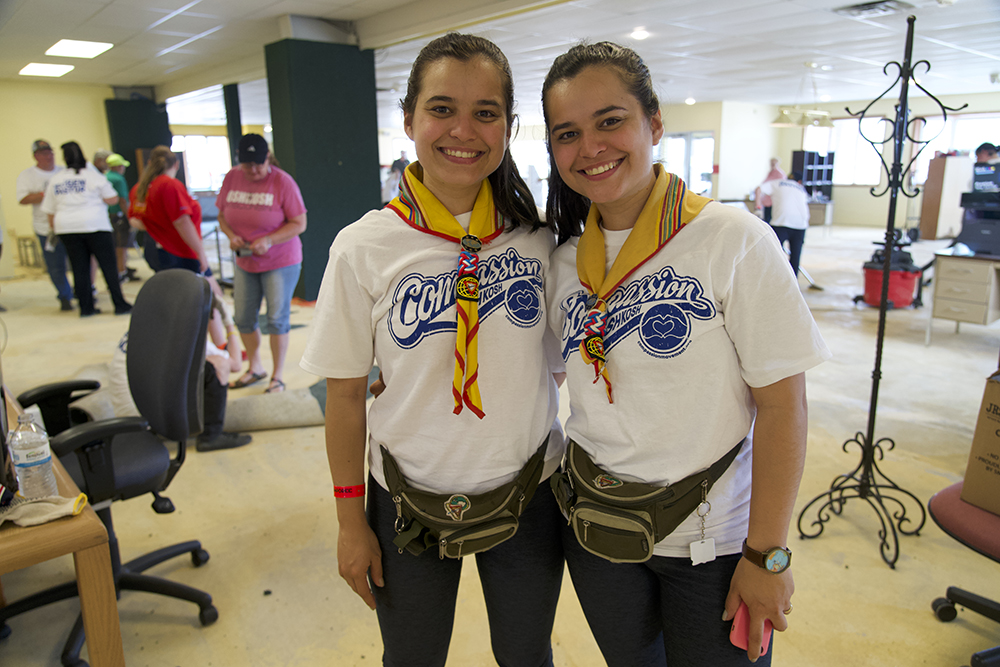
(55, 112)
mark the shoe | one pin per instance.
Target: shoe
(130, 276)
(95, 311)
(2, 309)
(276, 387)
(248, 379)
(124, 311)
(222, 441)
(65, 304)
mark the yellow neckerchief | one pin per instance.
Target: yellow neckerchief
(669, 207)
(420, 209)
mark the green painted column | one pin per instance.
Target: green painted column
(325, 130)
(234, 127)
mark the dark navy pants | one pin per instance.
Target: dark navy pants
(661, 612)
(521, 579)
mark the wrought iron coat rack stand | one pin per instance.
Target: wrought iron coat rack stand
(867, 481)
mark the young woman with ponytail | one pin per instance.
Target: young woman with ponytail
(442, 289)
(161, 205)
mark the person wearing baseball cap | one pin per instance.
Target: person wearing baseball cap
(123, 232)
(31, 184)
(262, 212)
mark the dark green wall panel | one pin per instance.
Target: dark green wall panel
(326, 136)
(135, 124)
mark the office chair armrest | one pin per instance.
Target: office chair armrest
(54, 399)
(47, 391)
(95, 432)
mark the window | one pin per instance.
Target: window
(964, 132)
(206, 160)
(855, 161)
(691, 156)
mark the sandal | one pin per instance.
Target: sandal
(248, 379)
(276, 387)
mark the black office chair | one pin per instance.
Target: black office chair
(122, 458)
(980, 531)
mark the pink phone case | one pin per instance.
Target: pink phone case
(740, 634)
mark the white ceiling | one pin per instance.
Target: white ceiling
(711, 50)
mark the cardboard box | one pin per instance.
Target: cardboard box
(982, 476)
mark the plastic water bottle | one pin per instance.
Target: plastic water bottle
(29, 449)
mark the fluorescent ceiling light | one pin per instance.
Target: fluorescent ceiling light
(689, 101)
(71, 48)
(40, 69)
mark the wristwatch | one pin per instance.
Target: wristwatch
(774, 560)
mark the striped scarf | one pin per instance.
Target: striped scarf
(669, 207)
(420, 209)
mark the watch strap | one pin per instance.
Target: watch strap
(758, 557)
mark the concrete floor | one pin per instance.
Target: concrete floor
(265, 512)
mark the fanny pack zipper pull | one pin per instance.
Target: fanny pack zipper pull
(586, 525)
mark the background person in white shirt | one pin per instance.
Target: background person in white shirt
(30, 189)
(789, 213)
(76, 201)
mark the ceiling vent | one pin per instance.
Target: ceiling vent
(871, 10)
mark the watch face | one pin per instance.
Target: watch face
(776, 560)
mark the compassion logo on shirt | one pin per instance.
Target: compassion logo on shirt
(424, 305)
(250, 198)
(658, 307)
(74, 186)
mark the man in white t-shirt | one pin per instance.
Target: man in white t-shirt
(789, 213)
(31, 184)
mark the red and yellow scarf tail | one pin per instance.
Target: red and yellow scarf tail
(420, 209)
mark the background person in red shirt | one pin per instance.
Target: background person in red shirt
(171, 217)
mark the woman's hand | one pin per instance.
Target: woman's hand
(237, 242)
(767, 596)
(261, 246)
(359, 555)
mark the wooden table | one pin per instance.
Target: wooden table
(86, 538)
(966, 289)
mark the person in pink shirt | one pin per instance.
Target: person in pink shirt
(262, 212)
(764, 199)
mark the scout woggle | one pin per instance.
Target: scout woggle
(592, 345)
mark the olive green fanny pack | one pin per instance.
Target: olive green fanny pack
(460, 524)
(621, 521)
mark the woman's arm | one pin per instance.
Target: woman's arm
(358, 553)
(136, 223)
(185, 227)
(111, 201)
(291, 228)
(779, 450)
(235, 240)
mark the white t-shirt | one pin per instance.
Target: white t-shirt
(31, 180)
(77, 200)
(789, 203)
(713, 313)
(388, 297)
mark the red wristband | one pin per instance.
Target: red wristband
(349, 491)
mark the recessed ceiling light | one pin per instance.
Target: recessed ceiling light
(71, 48)
(689, 101)
(639, 33)
(40, 69)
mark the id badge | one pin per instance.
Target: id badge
(703, 551)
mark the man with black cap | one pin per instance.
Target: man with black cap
(31, 184)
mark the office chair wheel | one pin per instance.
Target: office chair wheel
(4, 631)
(944, 609)
(208, 615)
(199, 557)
